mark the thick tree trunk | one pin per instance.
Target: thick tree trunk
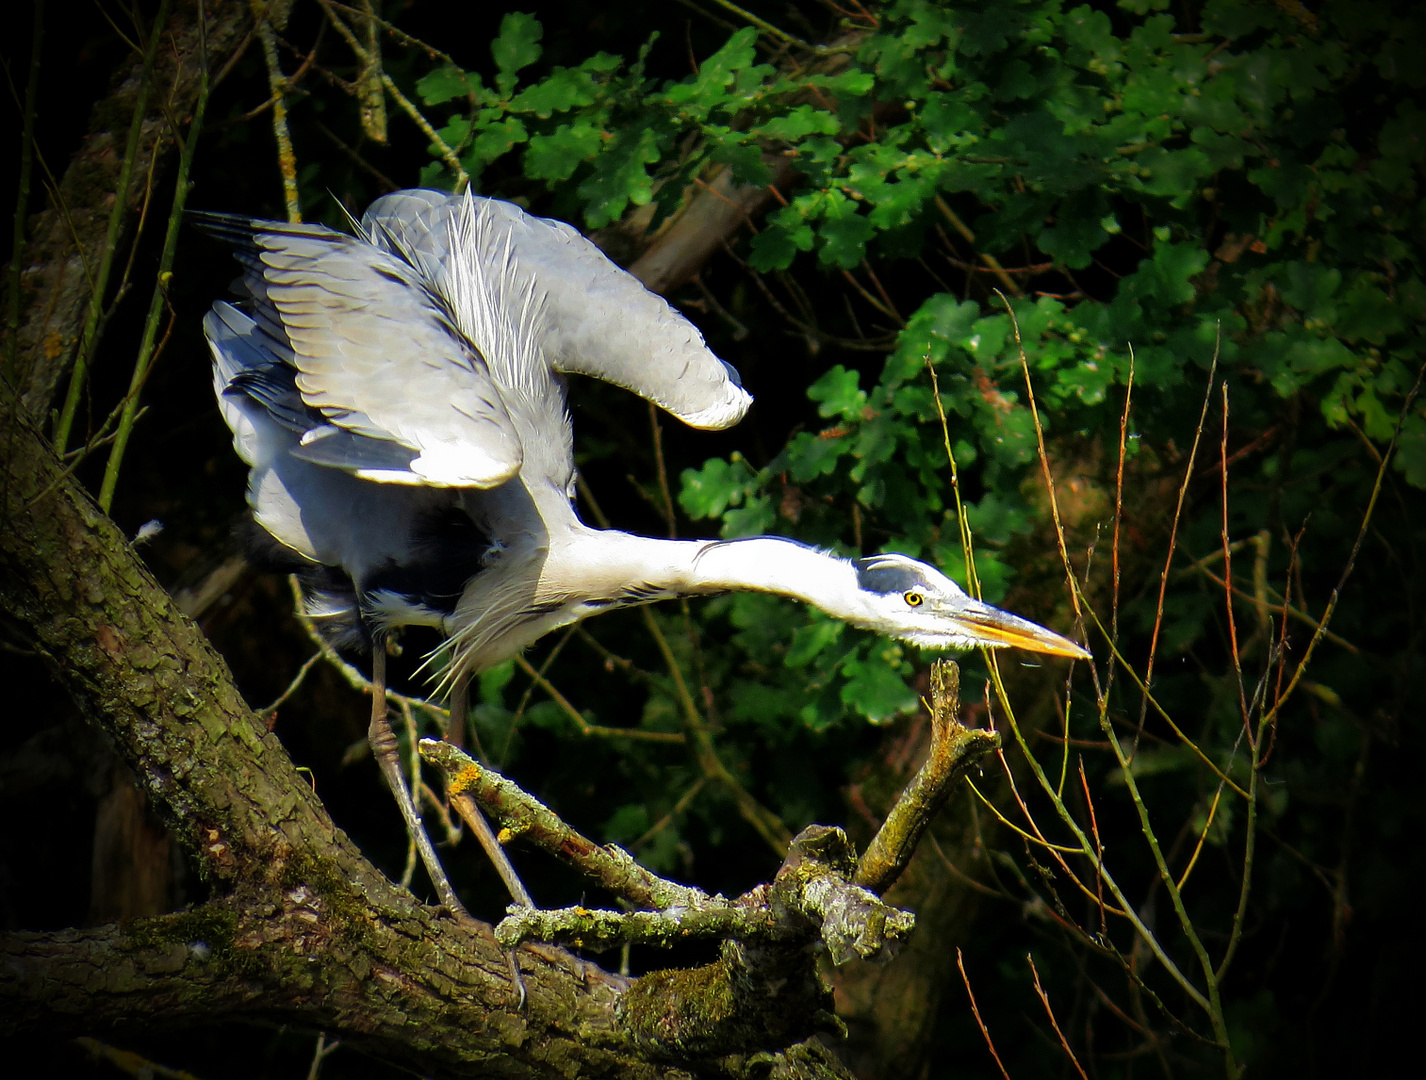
(302, 929)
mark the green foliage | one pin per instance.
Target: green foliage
(1052, 128)
(1148, 190)
(1058, 129)
(1018, 196)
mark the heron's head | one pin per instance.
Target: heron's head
(904, 598)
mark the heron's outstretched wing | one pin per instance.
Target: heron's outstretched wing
(357, 328)
(599, 320)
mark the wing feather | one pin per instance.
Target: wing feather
(599, 320)
(355, 321)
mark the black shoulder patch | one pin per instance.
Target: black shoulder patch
(785, 539)
(877, 574)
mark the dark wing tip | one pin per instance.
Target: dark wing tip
(243, 231)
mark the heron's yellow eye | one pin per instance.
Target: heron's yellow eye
(913, 598)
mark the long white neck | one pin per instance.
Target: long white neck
(594, 570)
(620, 564)
(768, 564)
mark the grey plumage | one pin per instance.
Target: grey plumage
(398, 396)
(385, 387)
(599, 320)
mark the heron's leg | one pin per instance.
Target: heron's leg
(494, 850)
(383, 746)
(459, 705)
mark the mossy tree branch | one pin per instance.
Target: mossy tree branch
(302, 929)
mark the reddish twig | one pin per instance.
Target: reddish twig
(1053, 1022)
(1098, 849)
(1228, 573)
(1173, 543)
(975, 1011)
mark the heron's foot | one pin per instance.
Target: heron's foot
(513, 961)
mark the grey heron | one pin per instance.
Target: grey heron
(398, 397)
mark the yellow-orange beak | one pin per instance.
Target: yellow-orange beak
(994, 628)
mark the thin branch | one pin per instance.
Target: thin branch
(158, 300)
(369, 62)
(782, 35)
(684, 802)
(1288, 611)
(585, 727)
(975, 1010)
(1228, 570)
(269, 711)
(661, 470)
(447, 154)
(955, 750)
(354, 678)
(88, 339)
(1044, 457)
(1011, 285)
(1367, 515)
(1173, 535)
(286, 158)
(1098, 847)
(1045, 999)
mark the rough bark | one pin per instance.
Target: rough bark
(302, 929)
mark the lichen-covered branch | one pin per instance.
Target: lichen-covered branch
(599, 929)
(521, 814)
(810, 897)
(955, 750)
(768, 987)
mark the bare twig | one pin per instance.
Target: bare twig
(354, 678)
(975, 1010)
(1173, 534)
(165, 269)
(585, 727)
(1045, 999)
(1352, 556)
(1234, 651)
(1011, 285)
(277, 83)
